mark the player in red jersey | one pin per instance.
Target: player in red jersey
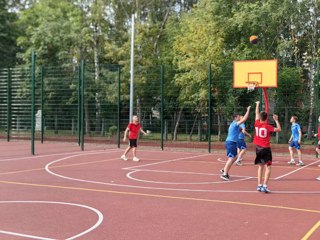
(262, 141)
(134, 127)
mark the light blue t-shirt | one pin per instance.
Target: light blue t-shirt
(241, 134)
(233, 132)
(295, 129)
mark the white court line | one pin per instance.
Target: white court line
(97, 224)
(299, 169)
(25, 235)
(58, 154)
(47, 168)
(129, 175)
(166, 161)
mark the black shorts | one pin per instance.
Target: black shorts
(263, 156)
(133, 143)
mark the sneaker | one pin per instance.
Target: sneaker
(291, 162)
(238, 163)
(318, 178)
(222, 170)
(135, 159)
(300, 163)
(259, 188)
(124, 158)
(225, 177)
(265, 189)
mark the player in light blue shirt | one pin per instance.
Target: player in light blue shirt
(295, 141)
(231, 143)
(241, 144)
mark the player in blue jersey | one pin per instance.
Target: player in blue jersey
(295, 141)
(231, 143)
(241, 144)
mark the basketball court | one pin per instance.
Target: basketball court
(70, 194)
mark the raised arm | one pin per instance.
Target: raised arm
(257, 110)
(278, 127)
(245, 117)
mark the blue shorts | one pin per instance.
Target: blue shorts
(295, 145)
(241, 144)
(231, 148)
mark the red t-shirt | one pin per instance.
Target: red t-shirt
(319, 132)
(134, 130)
(262, 134)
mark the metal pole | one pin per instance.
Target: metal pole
(209, 108)
(42, 113)
(317, 103)
(33, 61)
(162, 104)
(118, 108)
(82, 104)
(79, 105)
(131, 68)
(9, 98)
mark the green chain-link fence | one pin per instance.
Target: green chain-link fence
(83, 102)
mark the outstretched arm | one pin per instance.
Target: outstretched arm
(246, 133)
(245, 117)
(278, 127)
(144, 133)
(257, 110)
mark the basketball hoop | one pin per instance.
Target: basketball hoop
(251, 86)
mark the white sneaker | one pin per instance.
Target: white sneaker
(318, 178)
(300, 163)
(239, 163)
(135, 159)
(124, 158)
(291, 162)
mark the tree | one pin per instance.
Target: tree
(8, 35)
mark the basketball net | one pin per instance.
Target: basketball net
(251, 86)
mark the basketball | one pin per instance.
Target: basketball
(253, 39)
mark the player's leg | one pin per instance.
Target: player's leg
(241, 144)
(124, 157)
(260, 172)
(291, 153)
(300, 163)
(134, 150)
(231, 148)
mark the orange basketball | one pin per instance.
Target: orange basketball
(253, 39)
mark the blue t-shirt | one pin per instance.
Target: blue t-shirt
(241, 134)
(233, 132)
(295, 129)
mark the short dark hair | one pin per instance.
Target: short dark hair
(295, 117)
(263, 116)
(235, 115)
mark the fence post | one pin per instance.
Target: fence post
(162, 104)
(209, 108)
(82, 104)
(118, 107)
(317, 102)
(42, 112)
(33, 66)
(79, 105)
(9, 99)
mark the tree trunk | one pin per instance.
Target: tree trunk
(191, 131)
(96, 75)
(219, 126)
(312, 68)
(177, 124)
(286, 120)
(87, 117)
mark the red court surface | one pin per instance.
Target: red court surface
(65, 193)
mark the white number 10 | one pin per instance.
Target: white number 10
(261, 132)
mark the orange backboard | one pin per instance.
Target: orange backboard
(262, 72)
